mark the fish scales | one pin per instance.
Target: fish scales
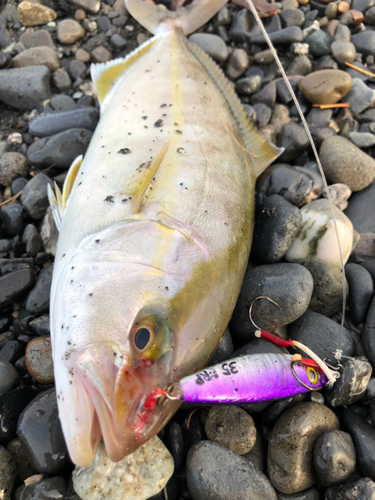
(153, 245)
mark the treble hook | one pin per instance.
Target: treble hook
(251, 309)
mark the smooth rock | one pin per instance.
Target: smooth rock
(291, 444)
(61, 103)
(326, 86)
(12, 216)
(139, 475)
(11, 351)
(334, 457)
(35, 14)
(77, 69)
(345, 163)
(213, 45)
(328, 290)
(321, 334)
(69, 31)
(267, 95)
(358, 489)
(363, 435)
(34, 196)
(213, 471)
(52, 123)
(275, 228)
(256, 455)
(91, 6)
(61, 79)
(41, 38)
(352, 384)
(38, 299)
(319, 117)
(100, 55)
(263, 113)
(360, 292)
(37, 56)
(362, 139)
(292, 17)
(38, 359)
(284, 36)
(343, 51)
(52, 487)
(8, 473)
(17, 185)
(232, 428)
(25, 88)
(317, 238)
(359, 97)
(59, 150)
(118, 42)
(289, 285)
(361, 209)
(224, 349)
(365, 42)
(174, 441)
(12, 165)
(237, 64)
(249, 84)
(340, 193)
(15, 284)
(8, 377)
(365, 247)
(294, 140)
(40, 432)
(319, 43)
(309, 494)
(368, 334)
(24, 467)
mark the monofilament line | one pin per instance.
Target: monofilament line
(294, 97)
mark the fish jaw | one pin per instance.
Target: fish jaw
(108, 388)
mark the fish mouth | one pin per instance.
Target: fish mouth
(109, 395)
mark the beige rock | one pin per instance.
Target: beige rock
(69, 31)
(34, 14)
(37, 56)
(136, 477)
(38, 359)
(291, 445)
(91, 6)
(365, 245)
(83, 56)
(326, 86)
(12, 165)
(101, 55)
(237, 64)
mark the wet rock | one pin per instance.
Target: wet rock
(352, 384)
(11, 351)
(357, 489)
(232, 428)
(12, 165)
(41, 325)
(363, 435)
(359, 97)
(284, 36)
(266, 96)
(321, 334)
(365, 247)
(35, 14)
(216, 472)
(25, 88)
(256, 455)
(288, 285)
(343, 51)
(309, 494)
(360, 292)
(360, 210)
(368, 334)
(39, 430)
(53, 123)
(297, 186)
(15, 284)
(174, 441)
(249, 84)
(17, 185)
(345, 163)
(24, 467)
(139, 475)
(290, 449)
(237, 64)
(34, 196)
(38, 359)
(59, 150)
(224, 349)
(213, 45)
(326, 86)
(362, 139)
(37, 56)
(294, 140)
(319, 43)
(38, 299)
(52, 487)
(365, 42)
(8, 473)
(69, 31)
(8, 377)
(12, 216)
(317, 238)
(334, 457)
(274, 229)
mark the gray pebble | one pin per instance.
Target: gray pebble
(294, 140)
(359, 97)
(62, 102)
(12, 165)
(61, 79)
(352, 384)
(267, 95)
(52, 123)
(213, 45)
(263, 113)
(370, 16)
(361, 209)
(283, 91)
(274, 229)
(77, 69)
(319, 43)
(284, 36)
(356, 489)
(343, 51)
(34, 196)
(18, 452)
(12, 216)
(231, 427)
(292, 17)
(25, 88)
(224, 349)
(368, 334)
(38, 299)
(8, 473)
(360, 292)
(365, 42)
(321, 334)
(37, 56)
(237, 64)
(41, 38)
(334, 457)
(213, 471)
(118, 42)
(362, 139)
(249, 84)
(14, 284)
(256, 455)
(319, 117)
(8, 377)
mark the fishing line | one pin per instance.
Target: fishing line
(294, 97)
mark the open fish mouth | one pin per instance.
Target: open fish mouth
(108, 395)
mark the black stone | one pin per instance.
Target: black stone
(352, 384)
(34, 196)
(281, 37)
(59, 121)
(12, 216)
(25, 88)
(15, 284)
(53, 487)
(38, 299)
(18, 185)
(356, 489)
(360, 292)
(11, 351)
(224, 349)
(361, 209)
(174, 441)
(368, 334)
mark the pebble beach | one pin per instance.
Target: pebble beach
(313, 446)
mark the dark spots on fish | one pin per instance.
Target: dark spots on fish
(62, 327)
(204, 83)
(164, 114)
(64, 255)
(158, 123)
(97, 241)
(82, 173)
(104, 177)
(181, 183)
(145, 126)
(74, 316)
(103, 146)
(144, 117)
(109, 152)
(71, 281)
(163, 105)
(72, 267)
(69, 343)
(181, 151)
(124, 151)
(80, 183)
(175, 124)
(167, 287)
(178, 131)
(91, 294)
(109, 199)
(125, 200)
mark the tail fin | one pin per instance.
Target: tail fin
(156, 18)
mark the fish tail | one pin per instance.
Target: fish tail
(156, 18)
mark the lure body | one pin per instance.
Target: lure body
(249, 379)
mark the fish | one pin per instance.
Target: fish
(155, 229)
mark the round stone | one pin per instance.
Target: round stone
(360, 292)
(34, 14)
(12, 165)
(343, 51)
(326, 86)
(38, 358)
(231, 427)
(8, 377)
(69, 31)
(237, 64)
(213, 45)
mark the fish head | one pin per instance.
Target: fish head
(117, 325)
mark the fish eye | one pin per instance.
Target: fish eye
(142, 338)
(312, 375)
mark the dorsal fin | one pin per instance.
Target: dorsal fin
(57, 200)
(255, 142)
(136, 187)
(104, 75)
